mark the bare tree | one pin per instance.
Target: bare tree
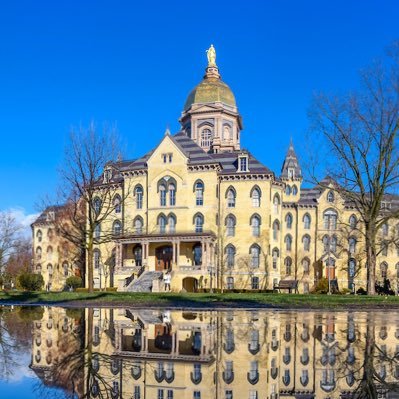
(19, 260)
(359, 135)
(9, 232)
(90, 181)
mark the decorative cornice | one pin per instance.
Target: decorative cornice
(245, 176)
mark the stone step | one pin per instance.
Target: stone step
(145, 282)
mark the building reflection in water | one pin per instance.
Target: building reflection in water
(153, 354)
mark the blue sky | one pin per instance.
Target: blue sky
(132, 64)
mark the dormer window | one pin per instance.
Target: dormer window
(107, 175)
(243, 163)
(291, 173)
(50, 216)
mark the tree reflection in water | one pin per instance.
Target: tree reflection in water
(119, 353)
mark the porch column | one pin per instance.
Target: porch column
(203, 259)
(118, 257)
(177, 253)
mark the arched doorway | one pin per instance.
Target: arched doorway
(164, 256)
(190, 284)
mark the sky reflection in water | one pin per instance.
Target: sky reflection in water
(128, 353)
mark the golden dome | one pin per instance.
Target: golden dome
(210, 90)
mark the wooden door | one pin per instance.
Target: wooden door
(164, 256)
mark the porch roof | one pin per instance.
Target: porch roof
(166, 237)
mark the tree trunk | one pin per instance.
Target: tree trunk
(371, 265)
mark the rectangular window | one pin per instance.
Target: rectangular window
(243, 164)
(163, 197)
(170, 394)
(170, 158)
(160, 394)
(230, 283)
(165, 157)
(137, 393)
(255, 283)
(228, 394)
(197, 395)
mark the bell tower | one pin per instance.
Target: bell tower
(210, 116)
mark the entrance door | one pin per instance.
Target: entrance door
(164, 256)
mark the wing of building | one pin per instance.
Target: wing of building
(200, 213)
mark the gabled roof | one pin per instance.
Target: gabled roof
(197, 156)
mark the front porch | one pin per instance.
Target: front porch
(189, 257)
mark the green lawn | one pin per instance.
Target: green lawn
(225, 300)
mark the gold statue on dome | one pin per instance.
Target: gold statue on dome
(211, 54)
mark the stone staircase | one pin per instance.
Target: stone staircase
(145, 282)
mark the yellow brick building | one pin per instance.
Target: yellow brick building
(204, 209)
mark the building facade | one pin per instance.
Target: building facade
(55, 257)
(203, 209)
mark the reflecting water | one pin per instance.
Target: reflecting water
(158, 354)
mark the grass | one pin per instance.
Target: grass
(186, 300)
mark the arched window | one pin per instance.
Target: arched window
(197, 254)
(288, 265)
(384, 248)
(117, 203)
(172, 223)
(288, 220)
(255, 255)
(206, 138)
(199, 193)
(276, 203)
(230, 256)
(138, 225)
(227, 134)
(231, 198)
(97, 205)
(255, 196)
(50, 234)
(385, 229)
(255, 225)
(65, 268)
(330, 219)
(96, 258)
(352, 221)
(306, 221)
(117, 227)
(97, 231)
(50, 253)
(333, 243)
(138, 255)
(198, 223)
(162, 195)
(276, 229)
(306, 265)
(330, 196)
(275, 256)
(352, 245)
(230, 226)
(38, 253)
(39, 235)
(50, 269)
(384, 269)
(288, 242)
(138, 193)
(172, 194)
(326, 243)
(351, 268)
(294, 190)
(306, 242)
(288, 190)
(162, 224)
